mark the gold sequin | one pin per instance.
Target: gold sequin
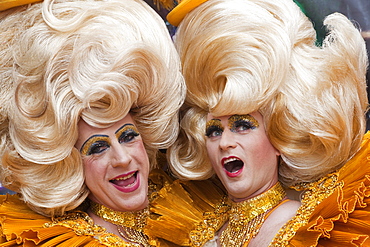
(135, 220)
(247, 217)
(213, 221)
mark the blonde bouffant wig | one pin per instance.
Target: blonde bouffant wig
(242, 56)
(66, 60)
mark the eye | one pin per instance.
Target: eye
(127, 136)
(127, 133)
(213, 131)
(97, 147)
(242, 125)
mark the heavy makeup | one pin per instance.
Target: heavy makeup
(241, 154)
(116, 164)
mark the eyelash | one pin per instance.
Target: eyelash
(242, 123)
(131, 133)
(234, 128)
(212, 129)
(96, 147)
(126, 136)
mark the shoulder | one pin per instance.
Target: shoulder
(284, 212)
(275, 221)
(334, 209)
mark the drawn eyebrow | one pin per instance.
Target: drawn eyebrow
(125, 127)
(86, 145)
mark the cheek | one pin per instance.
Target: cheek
(142, 155)
(265, 153)
(211, 148)
(92, 168)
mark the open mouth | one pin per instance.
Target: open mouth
(233, 166)
(126, 180)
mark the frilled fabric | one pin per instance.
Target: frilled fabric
(335, 210)
(181, 211)
(20, 226)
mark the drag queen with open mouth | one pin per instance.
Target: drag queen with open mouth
(266, 108)
(90, 91)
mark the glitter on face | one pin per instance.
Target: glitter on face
(247, 121)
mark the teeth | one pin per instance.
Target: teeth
(125, 177)
(230, 160)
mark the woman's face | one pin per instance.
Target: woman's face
(116, 164)
(241, 154)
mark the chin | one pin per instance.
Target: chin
(236, 194)
(136, 203)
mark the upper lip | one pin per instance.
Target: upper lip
(228, 159)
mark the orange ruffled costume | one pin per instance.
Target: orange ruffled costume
(335, 210)
(188, 209)
(22, 227)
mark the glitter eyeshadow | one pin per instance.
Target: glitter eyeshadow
(87, 144)
(246, 118)
(125, 128)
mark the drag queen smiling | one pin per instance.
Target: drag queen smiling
(116, 165)
(81, 122)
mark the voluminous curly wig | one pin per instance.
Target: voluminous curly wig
(66, 60)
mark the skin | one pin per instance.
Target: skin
(247, 141)
(117, 170)
(249, 144)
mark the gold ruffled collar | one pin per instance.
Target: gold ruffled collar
(130, 225)
(247, 217)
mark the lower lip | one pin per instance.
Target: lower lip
(130, 188)
(234, 174)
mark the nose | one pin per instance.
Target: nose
(227, 140)
(119, 155)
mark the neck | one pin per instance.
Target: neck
(247, 217)
(258, 192)
(262, 202)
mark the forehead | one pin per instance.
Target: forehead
(227, 117)
(210, 116)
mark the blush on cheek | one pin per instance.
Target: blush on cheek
(144, 156)
(210, 149)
